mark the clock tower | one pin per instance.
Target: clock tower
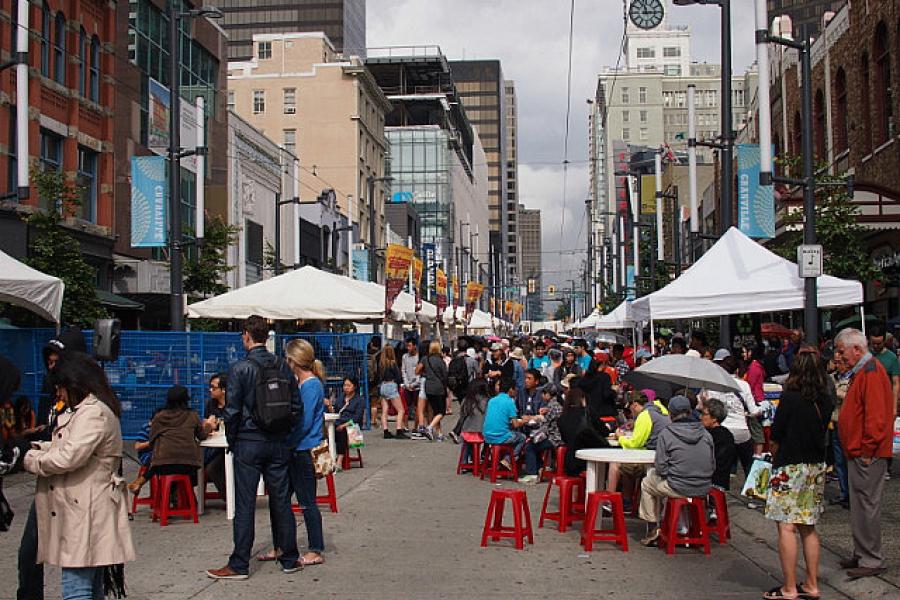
(654, 45)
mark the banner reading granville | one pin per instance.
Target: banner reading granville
(417, 266)
(396, 273)
(473, 295)
(441, 292)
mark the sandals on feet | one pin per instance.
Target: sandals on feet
(801, 593)
(776, 594)
(318, 560)
(269, 556)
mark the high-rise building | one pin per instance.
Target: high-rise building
(483, 91)
(512, 184)
(343, 21)
(530, 243)
(803, 13)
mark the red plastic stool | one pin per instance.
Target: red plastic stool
(182, 485)
(493, 522)
(721, 526)
(148, 500)
(472, 441)
(330, 498)
(697, 531)
(348, 460)
(496, 468)
(570, 508)
(618, 533)
(547, 473)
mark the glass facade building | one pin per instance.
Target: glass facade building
(343, 21)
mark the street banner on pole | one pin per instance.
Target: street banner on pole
(360, 263)
(428, 254)
(158, 124)
(441, 291)
(417, 281)
(508, 309)
(473, 295)
(517, 312)
(149, 195)
(648, 194)
(756, 203)
(454, 283)
(397, 264)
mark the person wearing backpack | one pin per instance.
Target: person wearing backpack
(261, 408)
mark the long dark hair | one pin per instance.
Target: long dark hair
(574, 399)
(178, 398)
(81, 376)
(807, 376)
(475, 395)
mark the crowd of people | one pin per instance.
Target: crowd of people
(834, 418)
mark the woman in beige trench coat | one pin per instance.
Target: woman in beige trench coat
(81, 500)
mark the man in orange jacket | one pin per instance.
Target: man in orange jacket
(866, 423)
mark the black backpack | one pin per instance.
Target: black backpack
(458, 376)
(272, 403)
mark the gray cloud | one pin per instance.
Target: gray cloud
(530, 37)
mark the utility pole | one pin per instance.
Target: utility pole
(175, 259)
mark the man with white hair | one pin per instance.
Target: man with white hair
(866, 424)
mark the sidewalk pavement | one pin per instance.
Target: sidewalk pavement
(408, 527)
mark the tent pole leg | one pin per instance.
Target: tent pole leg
(862, 318)
(652, 338)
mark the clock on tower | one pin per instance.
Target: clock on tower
(646, 14)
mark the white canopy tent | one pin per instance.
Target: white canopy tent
(589, 321)
(480, 319)
(619, 318)
(738, 275)
(23, 286)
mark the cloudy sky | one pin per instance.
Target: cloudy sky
(530, 38)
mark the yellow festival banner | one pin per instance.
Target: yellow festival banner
(441, 291)
(454, 282)
(507, 309)
(517, 312)
(397, 263)
(417, 266)
(473, 295)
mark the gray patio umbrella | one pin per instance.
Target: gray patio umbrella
(689, 371)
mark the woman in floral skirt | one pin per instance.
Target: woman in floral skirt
(795, 499)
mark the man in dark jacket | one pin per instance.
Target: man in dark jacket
(685, 461)
(257, 452)
(712, 415)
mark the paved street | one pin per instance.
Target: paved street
(409, 528)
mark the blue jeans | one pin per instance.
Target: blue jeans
(840, 465)
(517, 440)
(83, 584)
(270, 459)
(533, 455)
(303, 480)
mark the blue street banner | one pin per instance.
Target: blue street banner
(149, 195)
(756, 203)
(629, 282)
(360, 264)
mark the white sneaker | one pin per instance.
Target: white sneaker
(528, 479)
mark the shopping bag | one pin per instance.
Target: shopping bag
(757, 483)
(354, 436)
(322, 461)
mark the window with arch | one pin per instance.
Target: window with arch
(59, 49)
(95, 69)
(865, 103)
(819, 124)
(841, 139)
(46, 24)
(883, 103)
(82, 61)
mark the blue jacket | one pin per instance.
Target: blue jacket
(354, 410)
(241, 397)
(308, 432)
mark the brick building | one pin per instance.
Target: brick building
(70, 120)
(855, 117)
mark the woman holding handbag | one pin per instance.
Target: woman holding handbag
(797, 483)
(433, 369)
(351, 409)
(306, 437)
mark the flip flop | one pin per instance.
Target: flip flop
(801, 593)
(267, 557)
(308, 563)
(776, 594)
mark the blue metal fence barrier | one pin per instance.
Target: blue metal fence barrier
(152, 361)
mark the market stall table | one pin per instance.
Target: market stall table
(597, 459)
(217, 440)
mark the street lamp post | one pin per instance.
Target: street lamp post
(370, 186)
(176, 287)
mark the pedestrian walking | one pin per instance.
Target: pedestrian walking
(866, 431)
(83, 462)
(389, 379)
(797, 483)
(411, 384)
(433, 370)
(261, 408)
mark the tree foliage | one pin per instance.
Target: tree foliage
(205, 277)
(53, 250)
(563, 311)
(837, 229)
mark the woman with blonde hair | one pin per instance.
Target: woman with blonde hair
(433, 369)
(390, 379)
(307, 435)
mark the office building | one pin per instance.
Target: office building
(804, 13)
(343, 21)
(482, 88)
(326, 109)
(514, 244)
(437, 161)
(530, 242)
